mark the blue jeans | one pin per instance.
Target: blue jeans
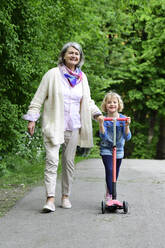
(107, 161)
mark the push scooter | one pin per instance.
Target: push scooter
(114, 204)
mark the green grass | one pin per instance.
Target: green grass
(27, 172)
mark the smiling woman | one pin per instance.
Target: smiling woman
(66, 119)
(72, 58)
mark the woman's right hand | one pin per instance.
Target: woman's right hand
(31, 127)
(100, 119)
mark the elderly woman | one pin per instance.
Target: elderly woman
(66, 119)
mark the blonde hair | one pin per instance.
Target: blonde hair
(110, 95)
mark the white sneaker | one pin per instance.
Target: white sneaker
(66, 203)
(49, 207)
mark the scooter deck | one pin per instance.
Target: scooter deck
(113, 205)
(114, 202)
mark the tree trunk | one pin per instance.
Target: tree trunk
(152, 121)
(161, 143)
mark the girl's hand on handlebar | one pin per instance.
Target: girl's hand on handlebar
(128, 121)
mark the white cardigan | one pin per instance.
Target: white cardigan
(50, 94)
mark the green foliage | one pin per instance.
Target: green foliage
(142, 149)
(27, 148)
(21, 171)
(10, 125)
(123, 42)
(136, 55)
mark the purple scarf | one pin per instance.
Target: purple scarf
(72, 77)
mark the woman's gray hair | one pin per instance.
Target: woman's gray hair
(77, 46)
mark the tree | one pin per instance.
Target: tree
(135, 65)
(124, 51)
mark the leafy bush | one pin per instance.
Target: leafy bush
(124, 51)
(10, 126)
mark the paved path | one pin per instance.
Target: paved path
(141, 183)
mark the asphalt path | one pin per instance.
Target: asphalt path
(141, 183)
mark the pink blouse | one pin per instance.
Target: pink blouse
(72, 99)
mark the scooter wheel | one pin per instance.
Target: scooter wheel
(103, 207)
(125, 207)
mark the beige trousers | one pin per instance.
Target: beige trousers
(52, 159)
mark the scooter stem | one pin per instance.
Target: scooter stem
(114, 193)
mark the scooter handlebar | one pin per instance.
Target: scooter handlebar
(118, 119)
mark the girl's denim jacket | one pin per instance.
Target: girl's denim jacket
(106, 144)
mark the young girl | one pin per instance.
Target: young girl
(112, 105)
